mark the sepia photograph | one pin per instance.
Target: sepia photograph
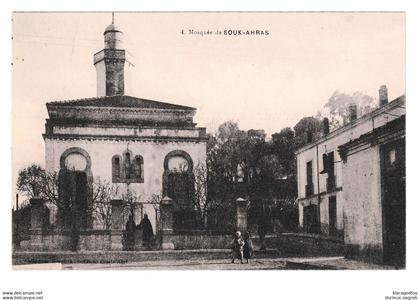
(208, 141)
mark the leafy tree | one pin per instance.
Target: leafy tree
(307, 126)
(31, 181)
(283, 145)
(236, 168)
(337, 107)
(223, 158)
(253, 148)
(229, 151)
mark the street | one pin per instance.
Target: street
(200, 263)
(193, 264)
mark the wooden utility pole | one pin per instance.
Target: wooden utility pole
(17, 237)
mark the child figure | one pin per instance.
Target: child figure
(238, 247)
(248, 247)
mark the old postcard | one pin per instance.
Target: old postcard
(208, 141)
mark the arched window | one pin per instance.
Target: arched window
(178, 184)
(126, 169)
(75, 189)
(116, 168)
(178, 177)
(137, 168)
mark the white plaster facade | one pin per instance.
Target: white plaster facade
(330, 143)
(374, 193)
(101, 152)
(363, 210)
(112, 123)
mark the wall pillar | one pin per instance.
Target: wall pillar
(38, 210)
(116, 224)
(241, 215)
(138, 213)
(166, 222)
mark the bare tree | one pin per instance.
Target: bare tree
(155, 200)
(130, 202)
(50, 188)
(103, 192)
(34, 181)
(200, 200)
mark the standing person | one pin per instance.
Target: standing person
(147, 228)
(248, 247)
(130, 228)
(238, 247)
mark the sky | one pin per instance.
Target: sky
(263, 82)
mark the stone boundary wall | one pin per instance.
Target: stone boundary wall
(196, 240)
(60, 240)
(288, 244)
(296, 244)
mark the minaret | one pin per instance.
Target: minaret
(112, 63)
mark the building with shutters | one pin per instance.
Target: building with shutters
(351, 183)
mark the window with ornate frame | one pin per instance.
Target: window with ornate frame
(126, 169)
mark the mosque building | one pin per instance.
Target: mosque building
(136, 145)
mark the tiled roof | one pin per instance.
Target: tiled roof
(119, 101)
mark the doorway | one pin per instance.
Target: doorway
(310, 218)
(179, 189)
(73, 204)
(332, 214)
(393, 202)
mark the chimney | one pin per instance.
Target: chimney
(353, 112)
(383, 95)
(326, 125)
